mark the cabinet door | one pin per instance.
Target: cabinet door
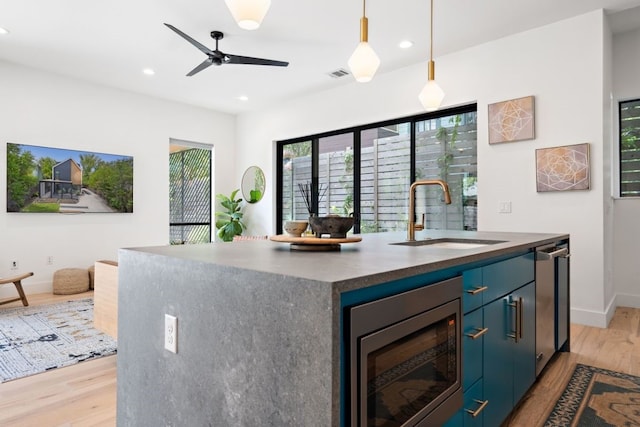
(472, 343)
(473, 406)
(472, 412)
(524, 351)
(505, 276)
(498, 361)
(472, 290)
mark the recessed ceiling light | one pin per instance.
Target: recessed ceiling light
(148, 71)
(4, 31)
(243, 98)
(405, 44)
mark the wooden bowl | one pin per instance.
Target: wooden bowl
(295, 228)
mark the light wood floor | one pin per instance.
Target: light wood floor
(616, 348)
(85, 394)
(79, 395)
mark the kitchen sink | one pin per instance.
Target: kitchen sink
(451, 243)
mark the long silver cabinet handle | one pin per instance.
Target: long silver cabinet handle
(520, 321)
(475, 413)
(545, 256)
(477, 290)
(481, 332)
(517, 334)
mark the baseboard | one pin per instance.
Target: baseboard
(601, 319)
(628, 300)
(30, 287)
(597, 319)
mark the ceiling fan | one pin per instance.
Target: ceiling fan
(216, 57)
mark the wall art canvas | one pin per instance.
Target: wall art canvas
(511, 120)
(56, 180)
(563, 168)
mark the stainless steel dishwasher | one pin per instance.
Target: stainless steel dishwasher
(547, 316)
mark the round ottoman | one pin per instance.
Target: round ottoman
(70, 281)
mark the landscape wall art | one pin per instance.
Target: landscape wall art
(56, 180)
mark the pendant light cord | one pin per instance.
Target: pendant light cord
(364, 8)
(431, 36)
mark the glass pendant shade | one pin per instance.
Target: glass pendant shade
(248, 13)
(431, 96)
(364, 62)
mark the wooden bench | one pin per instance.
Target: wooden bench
(17, 281)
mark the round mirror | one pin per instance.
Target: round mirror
(253, 184)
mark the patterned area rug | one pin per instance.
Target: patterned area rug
(41, 338)
(598, 397)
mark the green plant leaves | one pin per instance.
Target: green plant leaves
(229, 222)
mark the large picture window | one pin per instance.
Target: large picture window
(366, 172)
(629, 115)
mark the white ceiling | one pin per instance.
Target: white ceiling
(111, 42)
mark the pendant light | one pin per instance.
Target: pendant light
(431, 95)
(248, 13)
(363, 61)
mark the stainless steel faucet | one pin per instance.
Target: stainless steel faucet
(411, 229)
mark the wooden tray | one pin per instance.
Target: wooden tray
(312, 243)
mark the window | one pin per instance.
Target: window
(190, 196)
(630, 148)
(366, 172)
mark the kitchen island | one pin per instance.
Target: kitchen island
(260, 327)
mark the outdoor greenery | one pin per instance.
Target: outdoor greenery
(229, 222)
(45, 167)
(42, 207)
(113, 181)
(20, 178)
(89, 163)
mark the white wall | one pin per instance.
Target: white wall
(626, 65)
(608, 109)
(43, 109)
(560, 64)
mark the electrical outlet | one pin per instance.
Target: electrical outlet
(50, 260)
(171, 333)
(14, 264)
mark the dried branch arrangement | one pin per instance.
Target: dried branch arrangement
(306, 191)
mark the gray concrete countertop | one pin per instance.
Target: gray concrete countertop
(259, 325)
(356, 265)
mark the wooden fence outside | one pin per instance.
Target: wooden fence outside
(385, 181)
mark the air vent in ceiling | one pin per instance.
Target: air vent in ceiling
(340, 72)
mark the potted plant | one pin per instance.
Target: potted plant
(229, 222)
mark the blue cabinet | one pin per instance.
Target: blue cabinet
(471, 414)
(473, 290)
(473, 331)
(509, 352)
(473, 406)
(498, 302)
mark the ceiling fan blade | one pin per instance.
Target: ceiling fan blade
(204, 64)
(197, 44)
(236, 59)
